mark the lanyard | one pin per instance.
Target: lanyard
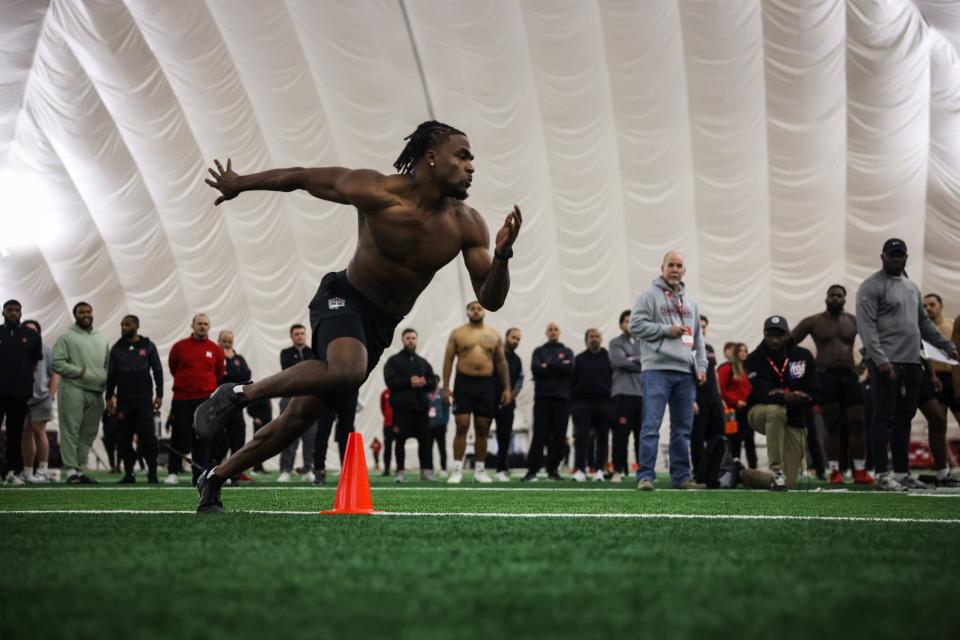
(677, 307)
(781, 371)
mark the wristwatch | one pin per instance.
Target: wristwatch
(506, 256)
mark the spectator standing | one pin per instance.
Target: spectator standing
(345, 415)
(627, 396)
(293, 355)
(196, 364)
(504, 416)
(552, 369)
(21, 351)
(236, 370)
(34, 444)
(708, 408)
(131, 397)
(667, 321)
(410, 379)
(592, 415)
(80, 356)
(735, 390)
(891, 322)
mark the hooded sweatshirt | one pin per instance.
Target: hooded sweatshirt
(77, 350)
(656, 310)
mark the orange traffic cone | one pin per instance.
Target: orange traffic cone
(353, 491)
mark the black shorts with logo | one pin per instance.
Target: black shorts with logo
(476, 395)
(340, 311)
(928, 393)
(841, 386)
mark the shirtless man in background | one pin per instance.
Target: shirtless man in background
(833, 332)
(478, 351)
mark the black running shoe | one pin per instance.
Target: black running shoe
(210, 417)
(86, 479)
(128, 479)
(208, 486)
(319, 477)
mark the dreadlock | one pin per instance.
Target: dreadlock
(427, 136)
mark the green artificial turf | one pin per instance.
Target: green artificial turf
(239, 575)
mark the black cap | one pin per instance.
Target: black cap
(776, 322)
(893, 245)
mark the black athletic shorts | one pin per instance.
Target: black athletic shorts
(340, 311)
(476, 395)
(946, 393)
(840, 386)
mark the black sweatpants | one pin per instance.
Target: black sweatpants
(135, 416)
(438, 435)
(814, 446)
(504, 427)
(706, 424)
(627, 417)
(345, 417)
(591, 425)
(550, 418)
(183, 438)
(894, 404)
(414, 424)
(13, 413)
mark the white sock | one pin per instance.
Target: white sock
(43, 467)
(900, 476)
(833, 465)
(480, 467)
(859, 464)
(71, 473)
(457, 466)
(943, 473)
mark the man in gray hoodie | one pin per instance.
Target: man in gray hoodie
(673, 358)
(891, 322)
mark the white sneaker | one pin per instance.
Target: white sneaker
(502, 476)
(598, 476)
(38, 478)
(778, 482)
(442, 474)
(400, 477)
(579, 476)
(482, 477)
(284, 476)
(426, 475)
(455, 478)
(886, 482)
(15, 479)
(616, 478)
(308, 477)
(171, 479)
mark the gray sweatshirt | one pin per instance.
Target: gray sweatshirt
(41, 378)
(656, 310)
(891, 320)
(625, 359)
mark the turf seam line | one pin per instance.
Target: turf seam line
(478, 514)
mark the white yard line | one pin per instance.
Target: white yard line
(558, 516)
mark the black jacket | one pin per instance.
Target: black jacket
(398, 370)
(515, 370)
(236, 369)
(592, 377)
(128, 371)
(709, 392)
(553, 379)
(20, 351)
(291, 356)
(798, 374)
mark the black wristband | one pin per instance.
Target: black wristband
(506, 256)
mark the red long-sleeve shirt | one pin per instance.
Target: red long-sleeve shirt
(732, 388)
(197, 367)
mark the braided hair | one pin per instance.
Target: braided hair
(427, 136)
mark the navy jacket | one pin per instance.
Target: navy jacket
(129, 367)
(552, 370)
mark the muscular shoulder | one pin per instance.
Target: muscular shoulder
(473, 228)
(371, 190)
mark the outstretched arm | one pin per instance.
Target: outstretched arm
(360, 187)
(490, 276)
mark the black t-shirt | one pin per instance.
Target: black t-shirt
(20, 351)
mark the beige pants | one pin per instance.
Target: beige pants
(785, 444)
